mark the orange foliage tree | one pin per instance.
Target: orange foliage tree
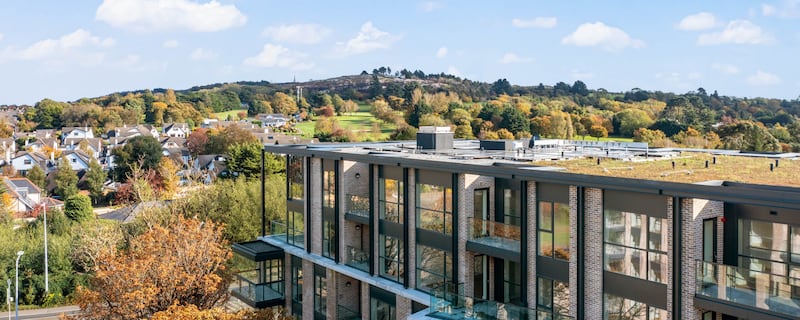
(191, 312)
(182, 264)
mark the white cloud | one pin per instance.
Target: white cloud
(453, 71)
(513, 58)
(297, 33)
(698, 21)
(599, 34)
(441, 53)
(201, 54)
(170, 44)
(768, 10)
(725, 68)
(762, 79)
(538, 22)
(273, 55)
(57, 48)
(581, 75)
(429, 6)
(155, 15)
(736, 32)
(369, 38)
(784, 9)
(679, 81)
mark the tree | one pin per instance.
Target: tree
(48, 114)
(191, 312)
(168, 174)
(66, 180)
(748, 136)
(245, 159)
(283, 103)
(95, 179)
(196, 141)
(78, 208)
(183, 263)
(142, 150)
(629, 120)
(598, 132)
(219, 142)
(36, 175)
(92, 240)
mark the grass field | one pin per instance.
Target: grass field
(360, 123)
(233, 113)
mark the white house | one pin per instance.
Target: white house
(272, 120)
(180, 130)
(77, 159)
(76, 132)
(24, 194)
(25, 161)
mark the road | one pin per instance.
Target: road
(49, 313)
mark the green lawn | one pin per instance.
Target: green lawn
(233, 113)
(360, 123)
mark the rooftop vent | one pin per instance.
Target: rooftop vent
(434, 138)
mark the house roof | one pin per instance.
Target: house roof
(177, 140)
(176, 125)
(21, 183)
(93, 142)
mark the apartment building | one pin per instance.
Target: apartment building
(443, 229)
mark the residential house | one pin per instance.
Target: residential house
(24, 161)
(209, 166)
(77, 159)
(24, 195)
(76, 133)
(8, 147)
(94, 146)
(272, 120)
(180, 130)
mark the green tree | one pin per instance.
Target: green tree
(37, 176)
(66, 180)
(629, 120)
(748, 136)
(48, 114)
(95, 178)
(144, 149)
(338, 104)
(245, 159)
(220, 142)
(598, 132)
(78, 208)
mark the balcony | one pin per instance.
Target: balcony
(258, 269)
(445, 305)
(343, 313)
(770, 296)
(494, 238)
(357, 258)
(258, 295)
(279, 230)
(357, 208)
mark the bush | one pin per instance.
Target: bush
(78, 208)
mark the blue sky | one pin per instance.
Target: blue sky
(66, 50)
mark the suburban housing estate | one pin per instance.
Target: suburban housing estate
(444, 229)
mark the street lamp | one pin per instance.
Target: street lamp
(8, 297)
(46, 280)
(16, 285)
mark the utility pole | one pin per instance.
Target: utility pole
(16, 285)
(8, 297)
(46, 279)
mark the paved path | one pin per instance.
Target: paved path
(49, 313)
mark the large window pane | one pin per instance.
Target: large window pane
(433, 267)
(616, 308)
(380, 310)
(545, 244)
(390, 258)
(554, 230)
(636, 245)
(434, 208)
(391, 200)
(546, 216)
(295, 177)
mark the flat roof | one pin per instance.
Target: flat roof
(627, 167)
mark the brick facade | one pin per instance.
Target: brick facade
(593, 254)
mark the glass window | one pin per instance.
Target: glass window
(380, 310)
(295, 176)
(390, 258)
(553, 296)
(295, 228)
(328, 238)
(297, 286)
(636, 245)
(554, 230)
(435, 208)
(512, 282)
(511, 207)
(769, 247)
(329, 189)
(617, 308)
(391, 200)
(433, 268)
(320, 294)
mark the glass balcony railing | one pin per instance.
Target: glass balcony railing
(448, 305)
(495, 234)
(357, 258)
(772, 292)
(256, 293)
(343, 313)
(358, 205)
(279, 230)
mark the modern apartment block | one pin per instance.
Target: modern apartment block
(466, 229)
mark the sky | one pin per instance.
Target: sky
(66, 50)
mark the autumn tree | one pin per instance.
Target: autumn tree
(182, 264)
(66, 180)
(196, 141)
(168, 175)
(91, 241)
(220, 141)
(283, 103)
(192, 312)
(598, 132)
